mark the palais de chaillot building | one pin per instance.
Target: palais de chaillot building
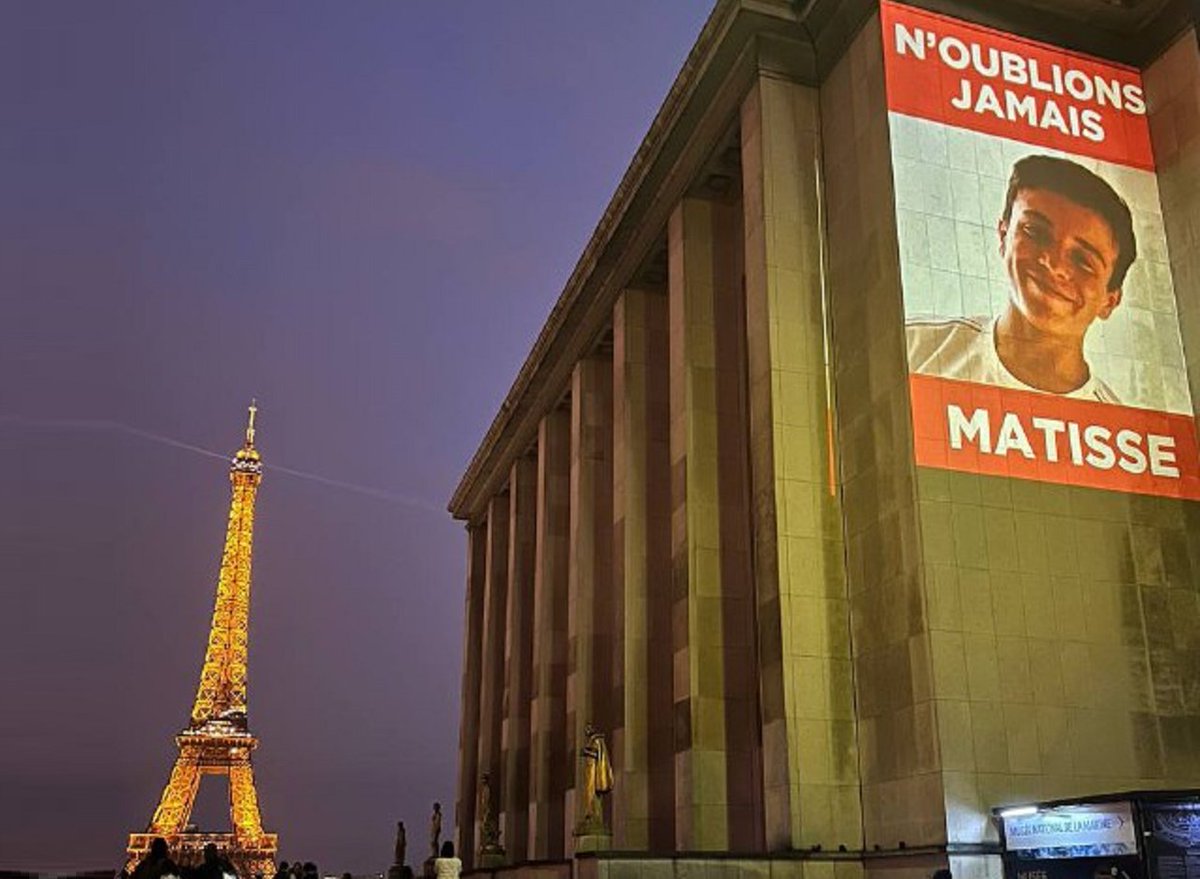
(702, 521)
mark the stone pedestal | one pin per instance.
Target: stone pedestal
(399, 871)
(491, 857)
(598, 841)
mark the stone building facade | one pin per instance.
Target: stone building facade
(697, 522)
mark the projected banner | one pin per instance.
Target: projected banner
(1043, 336)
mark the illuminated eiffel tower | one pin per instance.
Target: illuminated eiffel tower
(217, 741)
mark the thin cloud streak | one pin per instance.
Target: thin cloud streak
(102, 424)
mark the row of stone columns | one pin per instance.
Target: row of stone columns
(635, 573)
(669, 559)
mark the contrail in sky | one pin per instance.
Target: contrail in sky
(101, 424)
(382, 494)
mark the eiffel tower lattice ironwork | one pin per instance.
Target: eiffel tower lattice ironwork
(217, 740)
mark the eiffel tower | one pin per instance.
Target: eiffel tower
(217, 740)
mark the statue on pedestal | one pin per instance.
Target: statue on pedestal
(401, 843)
(435, 839)
(398, 870)
(491, 852)
(435, 831)
(597, 783)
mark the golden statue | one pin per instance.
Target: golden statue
(597, 780)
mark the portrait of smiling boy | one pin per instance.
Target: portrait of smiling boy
(1066, 241)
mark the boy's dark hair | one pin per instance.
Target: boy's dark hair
(1081, 186)
(447, 849)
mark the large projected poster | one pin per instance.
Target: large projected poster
(1043, 337)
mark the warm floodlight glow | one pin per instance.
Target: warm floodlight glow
(1018, 811)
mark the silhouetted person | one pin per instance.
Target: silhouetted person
(294, 871)
(310, 871)
(282, 872)
(447, 866)
(157, 863)
(215, 865)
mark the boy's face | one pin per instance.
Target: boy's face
(1059, 257)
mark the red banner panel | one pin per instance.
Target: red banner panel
(973, 77)
(978, 428)
(1042, 342)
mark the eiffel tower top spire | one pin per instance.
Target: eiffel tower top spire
(221, 695)
(250, 423)
(247, 458)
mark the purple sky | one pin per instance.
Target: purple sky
(360, 213)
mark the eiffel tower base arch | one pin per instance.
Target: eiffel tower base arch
(216, 748)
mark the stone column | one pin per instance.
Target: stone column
(549, 764)
(902, 773)
(468, 736)
(701, 800)
(643, 742)
(589, 568)
(1172, 90)
(809, 734)
(744, 793)
(1173, 97)
(491, 688)
(518, 657)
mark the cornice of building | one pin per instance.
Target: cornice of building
(730, 27)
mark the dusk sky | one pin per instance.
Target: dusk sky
(359, 213)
